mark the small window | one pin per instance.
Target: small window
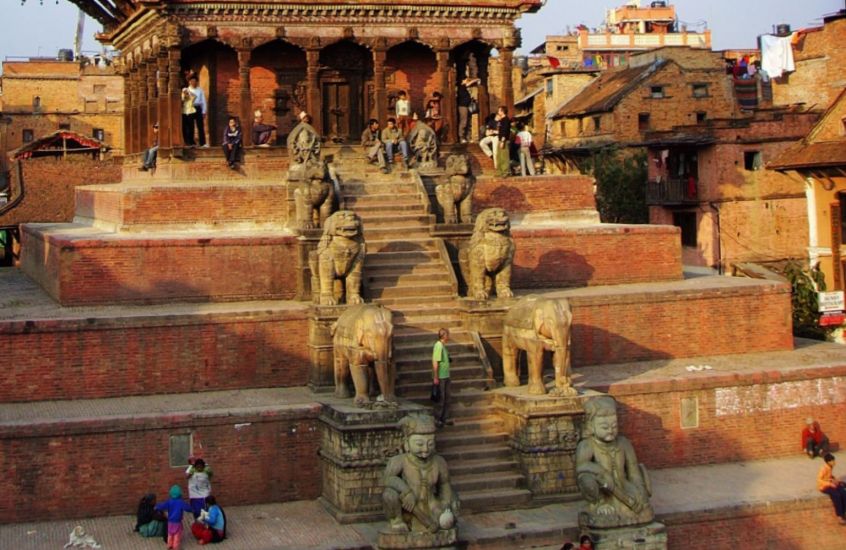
(656, 92)
(562, 48)
(752, 160)
(687, 222)
(701, 116)
(689, 412)
(112, 105)
(643, 121)
(700, 90)
(549, 87)
(99, 134)
(180, 450)
(36, 103)
(64, 126)
(28, 135)
(597, 123)
(564, 128)
(99, 89)
(90, 105)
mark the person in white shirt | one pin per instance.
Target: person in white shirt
(402, 107)
(194, 109)
(525, 137)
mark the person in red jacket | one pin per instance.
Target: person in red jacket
(814, 441)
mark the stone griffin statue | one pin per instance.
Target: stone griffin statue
(424, 144)
(615, 486)
(420, 503)
(339, 261)
(314, 197)
(303, 143)
(535, 324)
(363, 334)
(485, 261)
(456, 194)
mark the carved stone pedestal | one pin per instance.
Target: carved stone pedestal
(397, 541)
(544, 431)
(322, 376)
(306, 244)
(644, 537)
(355, 445)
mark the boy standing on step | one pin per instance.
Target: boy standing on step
(440, 377)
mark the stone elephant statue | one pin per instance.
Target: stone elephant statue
(363, 334)
(535, 324)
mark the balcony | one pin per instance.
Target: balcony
(672, 192)
(641, 41)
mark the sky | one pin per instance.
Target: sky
(42, 27)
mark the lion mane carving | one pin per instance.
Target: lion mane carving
(338, 263)
(485, 260)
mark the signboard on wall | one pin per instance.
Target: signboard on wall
(831, 301)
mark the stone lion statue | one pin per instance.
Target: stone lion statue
(456, 194)
(314, 197)
(338, 263)
(485, 261)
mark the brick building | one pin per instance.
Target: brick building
(709, 180)
(818, 163)
(41, 96)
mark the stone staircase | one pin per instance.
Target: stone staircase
(409, 272)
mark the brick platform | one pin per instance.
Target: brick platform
(182, 205)
(72, 353)
(197, 164)
(95, 457)
(559, 198)
(563, 255)
(79, 265)
(744, 407)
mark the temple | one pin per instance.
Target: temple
(341, 63)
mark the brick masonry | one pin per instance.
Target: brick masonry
(538, 194)
(141, 355)
(102, 467)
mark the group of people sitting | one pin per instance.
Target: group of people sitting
(381, 147)
(165, 519)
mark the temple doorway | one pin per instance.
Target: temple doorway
(345, 105)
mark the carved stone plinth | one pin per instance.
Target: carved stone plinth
(544, 431)
(390, 540)
(306, 244)
(652, 536)
(320, 320)
(486, 318)
(355, 445)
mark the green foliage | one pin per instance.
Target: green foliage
(805, 284)
(620, 184)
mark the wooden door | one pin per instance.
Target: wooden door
(337, 110)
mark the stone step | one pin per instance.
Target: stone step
(423, 310)
(379, 233)
(420, 362)
(487, 481)
(410, 378)
(395, 220)
(401, 302)
(426, 320)
(385, 280)
(367, 210)
(415, 390)
(502, 499)
(402, 257)
(429, 325)
(388, 243)
(388, 199)
(464, 438)
(468, 468)
(431, 269)
(477, 452)
(359, 188)
(417, 291)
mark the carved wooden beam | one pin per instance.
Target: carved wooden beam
(97, 11)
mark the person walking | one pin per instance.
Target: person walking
(174, 507)
(194, 109)
(831, 486)
(524, 136)
(440, 377)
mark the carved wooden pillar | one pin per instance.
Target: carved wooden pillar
(134, 100)
(245, 101)
(127, 111)
(380, 90)
(313, 88)
(162, 107)
(506, 56)
(152, 100)
(447, 94)
(141, 113)
(174, 96)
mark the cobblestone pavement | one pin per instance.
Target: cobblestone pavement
(305, 525)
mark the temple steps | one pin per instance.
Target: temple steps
(468, 468)
(412, 390)
(491, 500)
(486, 481)
(385, 290)
(463, 437)
(390, 278)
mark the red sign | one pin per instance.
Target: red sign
(834, 318)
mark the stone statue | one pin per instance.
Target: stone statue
(420, 503)
(303, 143)
(536, 324)
(339, 260)
(362, 335)
(615, 486)
(456, 195)
(424, 144)
(485, 261)
(314, 197)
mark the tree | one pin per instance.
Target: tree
(620, 184)
(805, 284)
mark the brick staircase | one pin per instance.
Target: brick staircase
(409, 272)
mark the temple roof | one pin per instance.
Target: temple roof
(57, 143)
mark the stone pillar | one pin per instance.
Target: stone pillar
(245, 104)
(174, 96)
(162, 105)
(321, 319)
(381, 91)
(506, 56)
(313, 88)
(447, 93)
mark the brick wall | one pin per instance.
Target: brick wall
(411, 67)
(49, 187)
(266, 457)
(157, 353)
(276, 66)
(532, 195)
(742, 417)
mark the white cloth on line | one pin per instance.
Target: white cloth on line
(776, 55)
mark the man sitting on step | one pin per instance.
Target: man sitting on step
(373, 146)
(394, 139)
